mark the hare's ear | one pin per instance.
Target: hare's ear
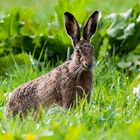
(90, 26)
(72, 27)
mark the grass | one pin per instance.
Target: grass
(113, 113)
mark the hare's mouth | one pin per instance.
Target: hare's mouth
(87, 67)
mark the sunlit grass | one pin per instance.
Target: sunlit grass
(112, 113)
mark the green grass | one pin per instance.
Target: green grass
(113, 112)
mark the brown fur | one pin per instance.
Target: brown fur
(61, 85)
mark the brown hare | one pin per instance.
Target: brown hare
(61, 85)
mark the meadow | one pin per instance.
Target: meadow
(33, 41)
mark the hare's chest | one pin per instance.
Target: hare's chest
(85, 83)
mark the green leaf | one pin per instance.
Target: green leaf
(119, 26)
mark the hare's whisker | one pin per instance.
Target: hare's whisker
(78, 76)
(71, 83)
(73, 75)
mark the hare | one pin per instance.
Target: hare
(61, 85)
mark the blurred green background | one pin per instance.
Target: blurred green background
(37, 29)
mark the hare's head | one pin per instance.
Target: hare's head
(83, 50)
